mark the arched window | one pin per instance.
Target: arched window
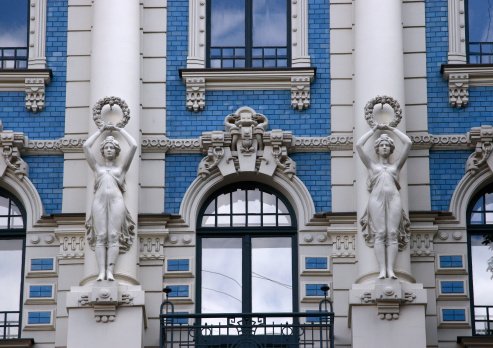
(12, 245)
(246, 252)
(480, 242)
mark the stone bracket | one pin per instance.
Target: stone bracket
(458, 86)
(195, 94)
(11, 145)
(35, 94)
(300, 92)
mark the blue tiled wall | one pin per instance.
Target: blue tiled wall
(446, 170)
(314, 170)
(444, 119)
(276, 105)
(180, 172)
(46, 173)
(49, 123)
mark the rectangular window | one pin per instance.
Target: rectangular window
(314, 290)
(39, 317)
(316, 263)
(178, 265)
(454, 314)
(40, 291)
(450, 261)
(480, 35)
(248, 34)
(14, 27)
(316, 319)
(41, 264)
(452, 287)
(178, 291)
(178, 320)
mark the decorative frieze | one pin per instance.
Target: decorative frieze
(152, 246)
(72, 243)
(344, 245)
(246, 147)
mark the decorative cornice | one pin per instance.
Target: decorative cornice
(30, 81)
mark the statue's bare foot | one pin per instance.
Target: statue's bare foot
(381, 275)
(100, 277)
(109, 276)
(392, 275)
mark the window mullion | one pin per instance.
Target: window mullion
(248, 33)
(247, 275)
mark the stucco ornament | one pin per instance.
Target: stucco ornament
(110, 228)
(385, 224)
(383, 99)
(246, 146)
(98, 108)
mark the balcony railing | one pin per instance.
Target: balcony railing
(247, 330)
(9, 325)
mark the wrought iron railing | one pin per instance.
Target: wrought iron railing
(247, 330)
(480, 52)
(483, 320)
(9, 324)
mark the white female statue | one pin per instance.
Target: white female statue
(385, 225)
(110, 227)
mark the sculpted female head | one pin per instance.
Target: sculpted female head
(384, 138)
(110, 140)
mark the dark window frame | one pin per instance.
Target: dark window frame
(246, 233)
(474, 230)
(16, 234)
(248, 38)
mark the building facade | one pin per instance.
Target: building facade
(242, 181)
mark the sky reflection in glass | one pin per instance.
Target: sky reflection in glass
(269, 23)
(13, 23)
(480, 14)
(483, 284)
(227, 23)
(10, 274)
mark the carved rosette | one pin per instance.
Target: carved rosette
(195, 94)
(458, 85)
(482, 140)
(246, 147)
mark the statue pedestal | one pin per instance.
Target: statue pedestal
(387, 313)
(106, 314)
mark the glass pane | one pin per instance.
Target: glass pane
(14, 209)
(227, 23)
(239, 202)
(272, 275)
(269, 63)
(482, 260)
(253, 201)
(282, 63)
(253, 220)
(479, 205)
(16, 222)
(477, 218)
(489, 218)
(258, 63)
(211, 208)
(228, 53)
(269, 220)
(223, 204)
(4, 222)
(13, 23)
(215, 63)
(239, 220)
(281, 208)
(489, 201)
(269, 22)
(239, 63)
(11, 276)
(270, 53)
(221, 275)
(228, 63)
(4, 206)
(208, 221)
(257, 53)
(269, 202)
(9, 64)
(480, 13)
(284, 220)
(224, 221)
(240, 53)
(215, 53)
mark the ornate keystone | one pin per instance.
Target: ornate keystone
(195, 94)
(458, 85)
(246, 147)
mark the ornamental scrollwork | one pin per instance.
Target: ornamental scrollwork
(246, 146)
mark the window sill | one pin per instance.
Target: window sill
(30, 81)
(297, 80)
(475, 341)
(463, 76)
